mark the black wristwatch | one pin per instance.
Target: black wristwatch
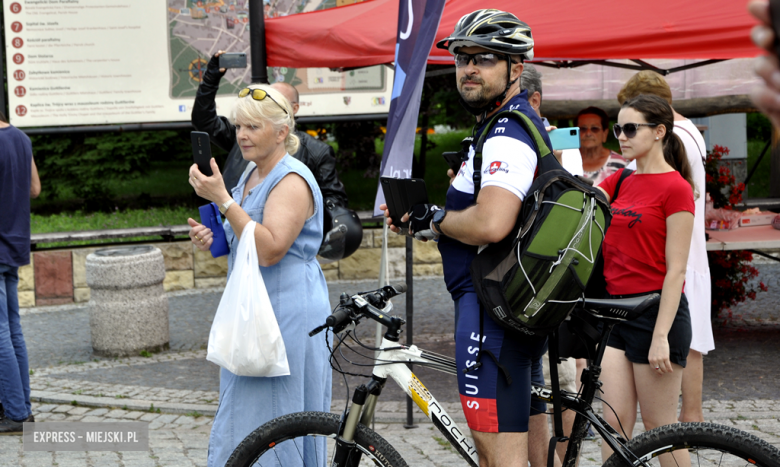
(438, 217)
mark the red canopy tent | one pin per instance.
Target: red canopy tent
(364, 34)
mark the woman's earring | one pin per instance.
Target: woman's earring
(656, 138)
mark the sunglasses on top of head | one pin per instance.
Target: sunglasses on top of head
(482, 59)
(629, 129)
(258, 95)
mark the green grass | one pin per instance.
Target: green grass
(759, 183)
(67, 222)
(78, 221)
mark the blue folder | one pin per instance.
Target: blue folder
(210, 217)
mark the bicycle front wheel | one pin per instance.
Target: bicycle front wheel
(309, 439)
(707, 444)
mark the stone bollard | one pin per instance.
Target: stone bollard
(128, 309)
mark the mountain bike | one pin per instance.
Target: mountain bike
(292, 439)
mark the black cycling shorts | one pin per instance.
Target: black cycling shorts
(635, 337)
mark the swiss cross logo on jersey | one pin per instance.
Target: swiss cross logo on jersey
(462, 170)
(497, 166)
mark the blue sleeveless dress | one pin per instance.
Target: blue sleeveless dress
(299, 295)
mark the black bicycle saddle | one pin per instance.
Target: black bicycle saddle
(623, 309)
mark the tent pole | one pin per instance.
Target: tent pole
(258, 57)
(774, 172)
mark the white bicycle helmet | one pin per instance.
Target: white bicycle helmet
(494, 30)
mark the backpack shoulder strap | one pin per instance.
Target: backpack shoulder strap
(623, 176)
(539, 145)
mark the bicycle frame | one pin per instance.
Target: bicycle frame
(421, 396)
(391, 359)
(391, 363)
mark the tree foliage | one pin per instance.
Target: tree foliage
(87, 163)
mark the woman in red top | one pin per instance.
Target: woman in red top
(646, 250)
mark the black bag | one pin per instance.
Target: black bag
(579, 336)
(530, 281)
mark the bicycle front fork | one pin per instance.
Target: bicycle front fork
(360, 412)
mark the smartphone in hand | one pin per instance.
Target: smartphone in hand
(565, 138)
(201, 151)
(454, 159)
(232, 60)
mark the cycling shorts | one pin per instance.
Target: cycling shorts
(490, 404)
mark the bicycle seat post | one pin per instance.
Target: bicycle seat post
(590, 384)
(590, 380)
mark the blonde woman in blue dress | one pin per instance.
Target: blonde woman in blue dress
(281, 195)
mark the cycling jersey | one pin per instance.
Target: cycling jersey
(489, 402)
(509, 162)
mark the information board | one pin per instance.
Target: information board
(84, 62)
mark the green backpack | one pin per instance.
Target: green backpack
(530, 281)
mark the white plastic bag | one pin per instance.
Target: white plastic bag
(245, 337)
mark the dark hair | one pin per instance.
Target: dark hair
(2, 117)
(657, 110)
(594, 111)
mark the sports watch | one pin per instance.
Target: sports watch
(437, 219)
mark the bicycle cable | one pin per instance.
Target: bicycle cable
(373, 360)
(332, 360)
(620, 424)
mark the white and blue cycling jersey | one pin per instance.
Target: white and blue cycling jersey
(508, 162)
(490, 403)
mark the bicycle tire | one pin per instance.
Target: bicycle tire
(276, 435)
(709, 443)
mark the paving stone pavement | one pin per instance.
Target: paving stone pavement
(176, 391)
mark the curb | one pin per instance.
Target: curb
(140, 405)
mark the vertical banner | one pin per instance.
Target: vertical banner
(418, 22)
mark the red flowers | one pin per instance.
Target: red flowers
(730, 271)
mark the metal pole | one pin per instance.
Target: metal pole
(409, 318)
(257, 42)
(383, 281)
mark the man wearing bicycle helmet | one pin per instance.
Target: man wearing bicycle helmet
(489, 48)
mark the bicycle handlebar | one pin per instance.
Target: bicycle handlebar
(337, 317)
(365, 304)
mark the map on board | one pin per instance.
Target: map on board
(200, 28)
